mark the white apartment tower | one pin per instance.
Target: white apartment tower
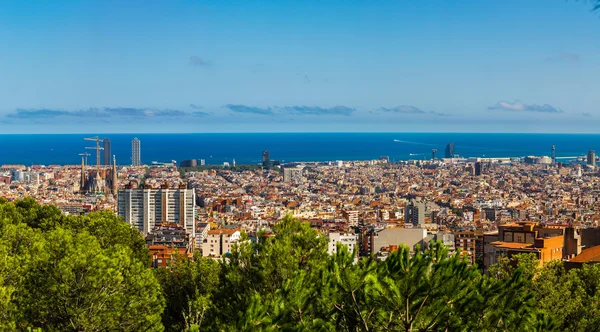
(135, 152)
(145, 208)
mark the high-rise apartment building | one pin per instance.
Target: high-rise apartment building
(292, 175)
(450, 150)
(146, 208)
(107, 156)
(266, 158)
(479, 168)
(591, 158)
(135, 152)
(414, 213)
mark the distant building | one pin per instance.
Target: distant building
(201, 233)
(553, 155)
(266, 158)
(202, 162)
(161, 255)
(351, 217)
(390, 238)
(218, 242)
(135, 152)
(591, 158)
(479, 168)
(470, 245)
(348, 239)
(170, 235)
(522, 238)
(450, 150)
(292, 175)
(414, 213)
(189, 163)
(107, 156)
(146, 208)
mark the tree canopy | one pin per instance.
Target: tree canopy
(93, 273)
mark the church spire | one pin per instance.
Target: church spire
(82, 184)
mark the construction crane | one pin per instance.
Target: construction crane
(86, 155)
(97, 148)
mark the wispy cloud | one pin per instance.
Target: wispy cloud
(94, 113)
(404, 109)
(196, 107)
(314, 110)
(201, 113)
(197, 61)
(249, 109)
(586, 114)
(517, 106)
(564, 57)
(292, 110)
(408, 109)
(36, 114)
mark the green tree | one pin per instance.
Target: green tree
(572, 297)
(507, 266)
(55, 274)
(70, 282)
(188, 287)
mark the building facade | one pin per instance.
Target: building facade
(414, 213)
(449, 150)
(219, 242)
(135, 153)
(292, 175)
(146, 208)
(347, 239)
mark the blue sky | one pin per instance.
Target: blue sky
(276, 66)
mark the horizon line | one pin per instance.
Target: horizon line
(310, 132)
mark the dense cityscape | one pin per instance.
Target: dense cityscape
(486, 207)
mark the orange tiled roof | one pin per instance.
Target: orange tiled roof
(512, 245)
(588, 255)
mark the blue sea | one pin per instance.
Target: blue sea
(247, 148)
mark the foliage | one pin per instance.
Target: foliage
(92, 273)
(188, 286)
(572, 297)
(73, 273)
(507, 266)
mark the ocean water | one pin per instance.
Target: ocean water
(247, 148)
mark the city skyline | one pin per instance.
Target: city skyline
(494, 66)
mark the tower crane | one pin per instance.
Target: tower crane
(86, 155)
(97, 148)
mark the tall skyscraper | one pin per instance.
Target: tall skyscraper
(107, 155)
(591, 158)
(135, 152)
(146, 208)
(478, 168)
(553, 155)
(266, 158)
(433, 152)
(450, 150)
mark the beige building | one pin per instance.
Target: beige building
(219, 242)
